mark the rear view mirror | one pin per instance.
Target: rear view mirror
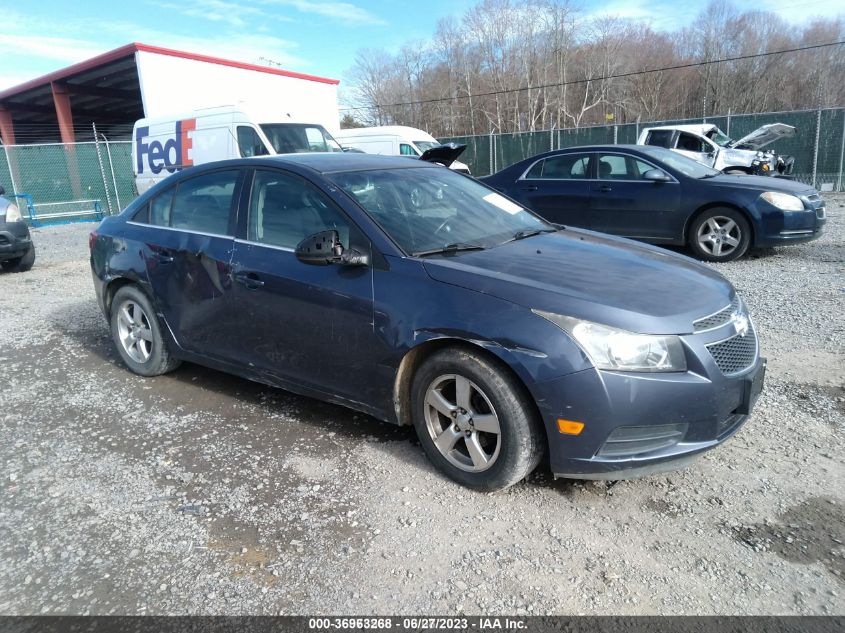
(656, 175)
(324, 248)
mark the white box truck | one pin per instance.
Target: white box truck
(164, 145)
(392, 140)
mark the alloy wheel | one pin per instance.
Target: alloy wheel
(462, 423)
(134, 332)
(719, 236)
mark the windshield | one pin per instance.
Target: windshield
(679, 162)
(720, 138)
(424, 146)
(424, 209)
(298, 138)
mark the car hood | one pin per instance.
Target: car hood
(764, 135)
(592, 276)
(764, 183)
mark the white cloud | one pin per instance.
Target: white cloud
(340, 11)
(61, 49)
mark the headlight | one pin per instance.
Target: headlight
(12, 213)
(619, 350)
(783, 201)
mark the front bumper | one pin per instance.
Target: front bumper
(14, 240)
(779, 228)
(698, 409)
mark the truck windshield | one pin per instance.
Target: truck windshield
(720, 138)
(298, 138)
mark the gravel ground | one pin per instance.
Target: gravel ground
(201, 493)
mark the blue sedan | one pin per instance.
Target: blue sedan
(655, 195)
(422, 297)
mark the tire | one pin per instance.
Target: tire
(719, 235)
(488, 396)
(21, 264)
(137, 334)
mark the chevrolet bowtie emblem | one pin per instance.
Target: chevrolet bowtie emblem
(740, 322)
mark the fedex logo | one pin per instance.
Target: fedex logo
(172, 156)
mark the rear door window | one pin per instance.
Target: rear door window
(204, 203)
(160, 208)
(566, 167)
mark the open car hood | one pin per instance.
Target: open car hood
(443, 154)
(764, 135)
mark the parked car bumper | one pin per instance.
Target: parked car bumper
(792, 227)
(14, 240)
(637, 424)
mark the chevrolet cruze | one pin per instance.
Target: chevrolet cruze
(422, 297)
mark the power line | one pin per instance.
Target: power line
(601, 78)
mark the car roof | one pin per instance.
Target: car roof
(329, 162)
(699, 128)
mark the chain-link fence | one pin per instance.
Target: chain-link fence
(818, 144)
(68, 182)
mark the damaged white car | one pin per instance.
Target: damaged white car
(708, 145)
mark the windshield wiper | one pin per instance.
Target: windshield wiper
(449, 248)
(521, 235)
(708, 176)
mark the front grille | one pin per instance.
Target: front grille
(716, 320)
(736, 353)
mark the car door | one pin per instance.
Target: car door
(187, 255)
(622, 202)
(558, 189)
(310, 325)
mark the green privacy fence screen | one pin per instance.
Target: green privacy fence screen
(69, 177)
(817, 145)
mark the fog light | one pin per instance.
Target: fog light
(569, 427)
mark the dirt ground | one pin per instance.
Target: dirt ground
(202, 493)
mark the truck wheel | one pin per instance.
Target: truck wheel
(475, 421)
(21, 264)
(137, 334)
(719, 235)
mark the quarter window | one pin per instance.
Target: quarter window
(284, 210)
(249, 143)
(204, 203)
(619, 167)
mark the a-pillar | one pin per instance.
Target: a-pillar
(61, 99)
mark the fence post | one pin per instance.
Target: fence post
(816, 146)
(728, 131)
(102, 168)
(11, 172)
(113, 179)
(841, 154)
(552, 139)
(615, 134)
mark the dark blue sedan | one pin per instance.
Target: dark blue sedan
(658, 196)
(420, 296)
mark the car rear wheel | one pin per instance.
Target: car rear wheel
(137, 334)
(475, 421)
(21, 264)
(720, 235)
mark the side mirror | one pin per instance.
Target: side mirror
(324, 248)
(656, 175)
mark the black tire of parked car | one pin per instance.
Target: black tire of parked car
(743, 228)
(522, 437)
(20, 264)
(160, 360)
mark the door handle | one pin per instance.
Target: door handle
(605, 188)
(531, 188)
(250, 280)
(163, 257)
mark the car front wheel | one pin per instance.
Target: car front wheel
(137, 334)
(475, 421)
(720, 235)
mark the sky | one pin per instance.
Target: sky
(320, 37)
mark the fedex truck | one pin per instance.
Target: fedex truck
(164, 145)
